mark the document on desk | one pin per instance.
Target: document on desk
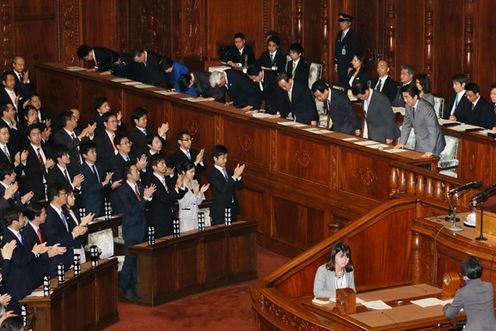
(120, 80)
(444, 122)
(263, 115)
(377, 146)
(197, 99)
(466, 127)
(131, 83)
(143, 86)
(377, 305)
(395, 150)
(317, 130)
(165, 92)
(428, 302)
(325, 301)
(350, 139)
(366, 142)
(75, 68)
(36, 294)
(400, 110)
(291, 123)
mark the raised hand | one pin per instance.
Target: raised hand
(8, 249)
(26, 197)
(204, 188)
(199, 157)
(10, 191)
(87, 218)
(149, 190)
(77, 180)
(238, 171)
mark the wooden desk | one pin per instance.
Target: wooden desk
(86, 302)
(195, 262)
(404, 315)
(293, 176)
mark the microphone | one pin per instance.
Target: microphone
(484, 194)
(474, 184)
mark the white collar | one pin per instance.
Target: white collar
(132, 185)
(219, 168)
(34, 226)
(57, 209)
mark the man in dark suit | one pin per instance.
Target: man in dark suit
(132, 198)
(61, 174)
(20, 281)
(240, 88)
(347, 44)
(102, 106)
(273, 58)
(96, 180)
(102, 58)
(384, 83)
(8, 179)
(104, 140)
(7, 154)
(38, 163)
(162, 207)
(68, 137)
(298, 68)
(8, 114)
(241, 54)
(224, 183)
(379, 118)
(123, 145)
(199, 81)
(338, 108)
(8, 93)
(457, 101)
(24, 85)
(480, 112)
(187, 154)
(406, 78)
(149, 62)
(421, 117)
(140, 133)
(268, 89)
(58, 229)
(298, 100)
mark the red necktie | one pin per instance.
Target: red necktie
(39, 157)
(39, 235)
(137, 193)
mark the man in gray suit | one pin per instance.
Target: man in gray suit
(379, 118)
(421, 117)
(476, 298)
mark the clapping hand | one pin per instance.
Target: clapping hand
(87, 218)
(238, 171)
(204, 188)
(26, 197)
(8, 249)
(149, 190)
(199, 157)
(163, 129)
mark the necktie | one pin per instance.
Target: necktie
(294, 69)
(271, 58)
(112, 141)
(494, 109)
(64, 220)
(224, 172)
(188, 154)
(145, 131)
(73, 135)
(473, 106)
(379, 85)
(39, 156)
(137, 192)
(19, 236)
(66, 174)
(6, 151)
(96, 173)
(413, 112)
(127, 158)
(162, 179)
(40, 239)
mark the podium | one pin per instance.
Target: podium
(86, 302)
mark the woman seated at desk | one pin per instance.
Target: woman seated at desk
(476, 298)
(335, 274)
(188, 205)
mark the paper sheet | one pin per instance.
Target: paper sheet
(196, 99)
(143, 86)
(75, 68)
(262, 115)
(400, 110)
(377, 305)
(395, 150)
(325, 301)
(366, 142)
(465, 127)
(218, 68)
(350, 139)
(36, 294)
(427, 302)
(131, 83)
(120, 80)
(290, 123)
(442, 121)
(165, 92)
(377, 146)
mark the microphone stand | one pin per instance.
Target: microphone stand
(452, 215)
(481, 236)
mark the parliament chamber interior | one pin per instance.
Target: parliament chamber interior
(247, 165)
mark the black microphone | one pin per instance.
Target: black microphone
(484, 194)
(474, 184)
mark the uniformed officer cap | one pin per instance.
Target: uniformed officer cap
(343, 17)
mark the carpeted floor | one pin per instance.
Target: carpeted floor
(227, 308)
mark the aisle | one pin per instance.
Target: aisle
(227, 308)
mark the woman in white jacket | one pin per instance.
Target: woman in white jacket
(188, 205)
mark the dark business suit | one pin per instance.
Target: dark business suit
(134, 226)
(340, 110)
(35, 172)
(362, 77)
(105, 58)
(150, 71)
(92, 189)
(41, 266)
(429, 136)
(4, 158)
(241, 89)
(139, 139)
(302, 104)
(477, 301)
(224, 195)
(162, 206)
(105, 150)
(246, 57)
(63, 138)
(462, 104)
(15, 140)
(389, 88)
(100, 128)
(380, 119)
(179, 157)
(14, 201)
(482, 114)
(343, 53)
(57, 233)
(301, 72)
(271, 93)
(278, 64)
(398, 99)
(20, 280)
(26, 90)
(5, 98)
(56, 177)
(203, 87)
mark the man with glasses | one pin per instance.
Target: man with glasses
(186, 154)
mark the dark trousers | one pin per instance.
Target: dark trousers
(343, 74)
(129, 273)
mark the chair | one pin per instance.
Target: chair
(448, 159)
(438, 106)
